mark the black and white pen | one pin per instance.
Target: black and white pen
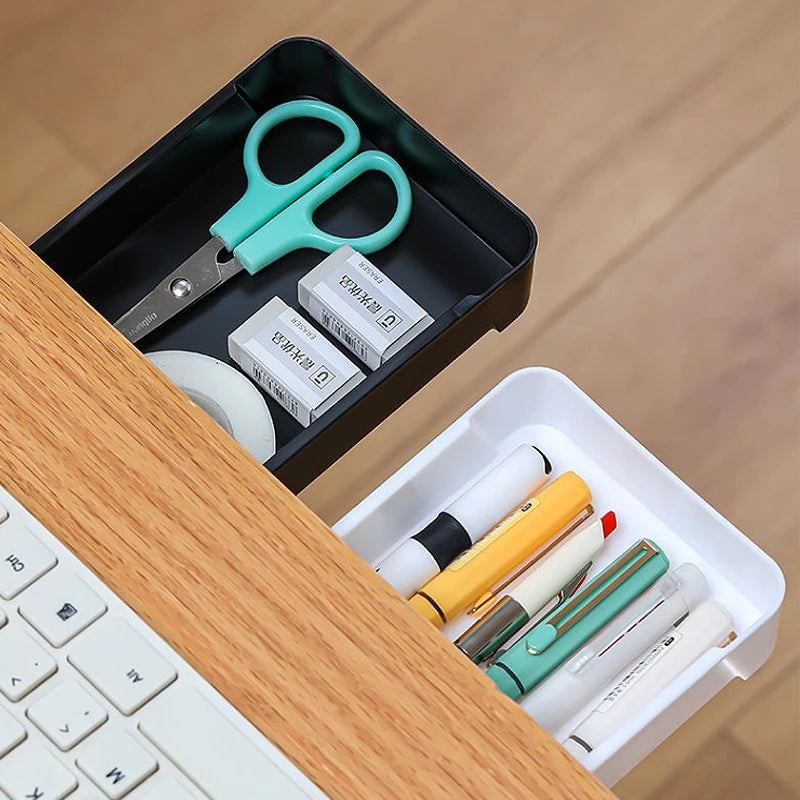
(469, 517)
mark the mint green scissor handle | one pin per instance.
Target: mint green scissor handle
(263, 199)
(294, 228)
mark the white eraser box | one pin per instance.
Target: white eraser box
(289, 358)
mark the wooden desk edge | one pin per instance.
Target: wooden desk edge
(236, 574)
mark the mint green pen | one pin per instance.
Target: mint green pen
(549, 643)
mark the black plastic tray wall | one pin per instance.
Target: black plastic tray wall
(466, 255)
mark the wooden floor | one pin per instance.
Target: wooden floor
(657, 147)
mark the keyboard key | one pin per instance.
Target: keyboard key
(23, 559)
(67, 715)
(3, 619)
(171, 790)
(23, 664)
(61, 606)
(116, 763)
(3, 513)
(11, 733)
(33, 773)
(193, 734)
(121, 664)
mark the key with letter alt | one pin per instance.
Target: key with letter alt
(122, 665)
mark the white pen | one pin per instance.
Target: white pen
(469, 517)
(558, 573)
(709, 625)
(605, 655)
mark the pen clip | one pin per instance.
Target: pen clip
(575, 583)
(486, 598)
(566, 591)
(571, 612)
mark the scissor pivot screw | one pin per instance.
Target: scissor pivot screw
(181, 287)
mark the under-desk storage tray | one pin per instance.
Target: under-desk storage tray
(466, 255)
(541, 407)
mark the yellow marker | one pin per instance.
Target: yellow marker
(509, 544)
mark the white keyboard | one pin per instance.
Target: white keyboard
(94, 705)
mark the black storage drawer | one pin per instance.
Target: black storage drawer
(466, 255)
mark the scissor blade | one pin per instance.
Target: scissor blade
(201, 273)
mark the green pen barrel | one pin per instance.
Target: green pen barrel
(519, 669)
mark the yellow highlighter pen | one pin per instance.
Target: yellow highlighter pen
(509, 544)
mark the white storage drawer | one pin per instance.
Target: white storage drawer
(542, 407)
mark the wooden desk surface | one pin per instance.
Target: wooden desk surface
(655, 146)
(244, 581)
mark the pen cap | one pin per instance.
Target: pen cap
(500, 491)
(691, 583)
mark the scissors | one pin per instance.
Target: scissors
(271, 220)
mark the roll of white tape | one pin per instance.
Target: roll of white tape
(225, 394)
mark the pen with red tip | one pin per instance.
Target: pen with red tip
(557, 575)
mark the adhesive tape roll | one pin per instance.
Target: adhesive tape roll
(225, 394)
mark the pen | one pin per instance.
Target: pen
(560, 571)
(549, 643)
(570, 687)
(510, 543)
(709, 625)
(465, 520)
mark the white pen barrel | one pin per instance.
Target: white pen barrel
(560, 696)
(408, 567)
(418, 559)
(500, 491)
(706, 627)
(546, 579)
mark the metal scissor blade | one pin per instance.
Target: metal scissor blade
(200, 274)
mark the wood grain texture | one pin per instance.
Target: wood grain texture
(647, 140)
(296, 631)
